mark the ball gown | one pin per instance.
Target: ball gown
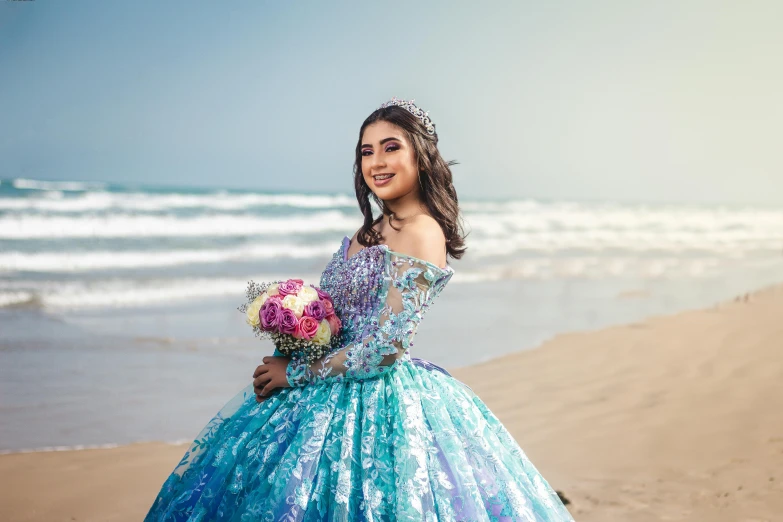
(366, 433)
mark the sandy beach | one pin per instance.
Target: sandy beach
(605, 176)
(671, 418)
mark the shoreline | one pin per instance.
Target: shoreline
(426, 339)
(61, 386)
(672, 417)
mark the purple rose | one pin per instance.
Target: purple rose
(288, 321)
(322, 294)
(316, 310)
(270, 314)
(290, 287)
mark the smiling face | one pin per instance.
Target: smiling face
(389, 164)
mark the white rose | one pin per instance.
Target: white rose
(262, 298)
(294, 304)
(252, 312)
(308, 294)
(324, 333)
(272, 290)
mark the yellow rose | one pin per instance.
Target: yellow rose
(307, 294)
(294, 304)
(272, 290)
(324, 333)
(252, 312)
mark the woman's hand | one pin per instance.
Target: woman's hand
(269, 376)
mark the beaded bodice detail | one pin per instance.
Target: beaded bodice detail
(380, 297)
(353, 284)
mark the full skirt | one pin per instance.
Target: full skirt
(414, 444)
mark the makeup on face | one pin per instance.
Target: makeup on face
(387, 160)
(388, 145)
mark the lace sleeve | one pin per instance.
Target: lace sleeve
(409, 286)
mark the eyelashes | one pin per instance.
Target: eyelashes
(389, 148)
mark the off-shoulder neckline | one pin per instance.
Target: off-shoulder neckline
(347, 242)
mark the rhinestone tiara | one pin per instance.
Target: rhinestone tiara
(413, 109)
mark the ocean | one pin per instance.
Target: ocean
(118, 318)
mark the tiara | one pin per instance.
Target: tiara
(413, 109)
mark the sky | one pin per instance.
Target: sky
(670, 101)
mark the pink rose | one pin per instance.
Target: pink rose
(290, 287)
(270, 314)
(328, 307)
(334, 323)
(315, 309)
(306, 328)
(287, 321)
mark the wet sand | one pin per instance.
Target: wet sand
(671, 418)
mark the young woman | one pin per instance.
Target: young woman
(368, 432)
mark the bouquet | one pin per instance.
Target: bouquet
(299, 319)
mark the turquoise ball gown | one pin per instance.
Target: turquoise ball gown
(366, 433)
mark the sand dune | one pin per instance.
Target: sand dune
(672, 418)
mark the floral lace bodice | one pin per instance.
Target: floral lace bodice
(380, 296)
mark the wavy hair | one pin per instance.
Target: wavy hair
(435, 180)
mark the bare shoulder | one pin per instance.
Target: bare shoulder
(356, 234)
(423, 238)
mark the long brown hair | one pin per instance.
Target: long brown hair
(435, 179)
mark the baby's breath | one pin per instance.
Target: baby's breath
(303, 349)
(254, 290)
